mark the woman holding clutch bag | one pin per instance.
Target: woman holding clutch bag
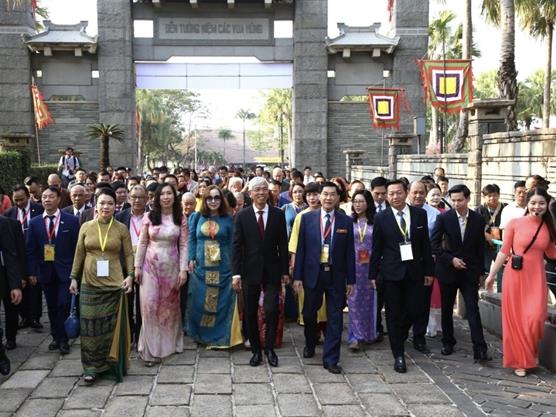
(212, 317)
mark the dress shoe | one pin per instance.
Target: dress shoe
(447, 350)
(35, 324)
(23, 324)
(256, 359)
(333, 368)
(53, 345)
(271, 357)
(4, 362)
(64, 348)
(421, 347)
(308, 352)
(482, 356)
(379, 337)
(10, 344)
(399, 365)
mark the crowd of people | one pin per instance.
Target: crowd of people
(227, 257)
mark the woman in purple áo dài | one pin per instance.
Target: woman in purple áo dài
(362, 303)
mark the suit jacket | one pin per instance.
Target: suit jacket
(87, 215)
(69, 210)
(34, 208)
(11, 258)
(341, 251)
(253, 257)
(386, 257)
(65, 243)
(447, 244)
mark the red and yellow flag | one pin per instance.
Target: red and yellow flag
(384, 104)
(42, 115)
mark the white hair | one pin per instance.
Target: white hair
(257, 182)
(232, 181)
(187, 194)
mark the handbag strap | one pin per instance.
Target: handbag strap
(73, 298)
(532, 241)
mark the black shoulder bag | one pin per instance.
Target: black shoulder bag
(517, 260)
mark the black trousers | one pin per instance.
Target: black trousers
(58, 299)
(251, 294)
(404, 308)
(30, 307)
(470, 292)
(420, 326)
(379, 306)
(11, 318)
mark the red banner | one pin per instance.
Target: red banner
(42, 115)
(384, 104)
(390, 9)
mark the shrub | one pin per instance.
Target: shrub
(14, 167)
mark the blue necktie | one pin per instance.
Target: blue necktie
(327, 228)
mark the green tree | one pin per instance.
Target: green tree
(244, 115)
(105, 133)
(484, 85)
(277, 112)
(225, 134)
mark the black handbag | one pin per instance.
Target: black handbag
(71, 324)
(517, 260)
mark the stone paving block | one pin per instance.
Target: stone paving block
(435, 410)
(343, 411)
(188, 357)
(383, 405)
(40, 408)
(368, 383)
(93, 397)
(79, 413)
(189, 343)
(125, 406)
(171, 394)
(12, 398)
(137, 367)
(287, 365)
(297, 405)
(357, 366)
(70, 367)
(58, 387)
(212, 405)
(25, 379)
(253, 394)
(214, 353)
(168, 411)
(288, 383)
(413, 375)
(178, 374)
(135, 385)
(248, 373)
(241, 357)
(255, 411)
(335, 394)
(420, 394)
(40, 361)
(213, 366)
(319, 374)
(213, 384)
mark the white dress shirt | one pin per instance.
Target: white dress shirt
(406, 217)
(265, 214)
(323, 214)
(56, 221)
(462, 221)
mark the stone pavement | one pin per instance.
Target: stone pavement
(199, 382)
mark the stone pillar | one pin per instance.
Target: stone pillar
(353, 157)
(399, 143)
(485, 116)
(16, 109)
(116, 89)
(310, 85)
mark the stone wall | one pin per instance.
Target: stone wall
(350, 127)
(71, 120)
(413, 167)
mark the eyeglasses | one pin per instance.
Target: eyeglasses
(215, 198)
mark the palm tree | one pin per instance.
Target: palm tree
(225, 134)
(539, 17)
(105, 133)
(277, 111)
(244, 115)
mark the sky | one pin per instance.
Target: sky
(529, 52)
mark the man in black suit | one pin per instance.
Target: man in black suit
(30, 308)
(458, 241)
(260, 257)
(11, 276)
(402, 254)
(78, 196)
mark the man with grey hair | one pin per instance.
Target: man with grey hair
(188, 203)
(78, 196)
(278, 175)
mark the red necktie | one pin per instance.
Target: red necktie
(260, 223)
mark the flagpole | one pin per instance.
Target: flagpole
(443, 132)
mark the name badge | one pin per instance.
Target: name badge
(406, 252)
(103, 268)
(49, 253)
(324, 254)
(363, 256)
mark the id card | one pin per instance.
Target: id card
(406, 252)
(103, 268)
(363, 256)
(49, 253)
(324, 254)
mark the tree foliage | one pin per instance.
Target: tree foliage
(277, 113)
(105, 133)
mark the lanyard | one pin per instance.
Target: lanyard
(103, 242)
(406, 232)
(362, 232)
(56, 223)
(23, 219)
(325, 233)
(136, 229)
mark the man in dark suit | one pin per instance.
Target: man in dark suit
(30, 308)
(78, 196)
(402, 254)
(11, 277)
(458, 241)
(51, 242)
(260, 257)
(325, 264)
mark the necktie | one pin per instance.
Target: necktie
(403, 225)
(327, 231)
(379, 208)
(260, 223)
(51, 227)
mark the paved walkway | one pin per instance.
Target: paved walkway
(221, 383)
